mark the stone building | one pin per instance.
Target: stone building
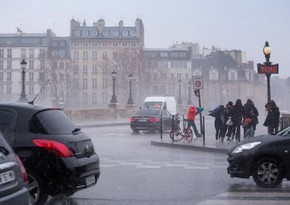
(95, 52)
(13, 48)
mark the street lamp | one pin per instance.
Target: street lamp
(130, 100)
(189, 93)
(23, 98)
(114, 98)
(268, 68)
(267, 52)
(179, 95)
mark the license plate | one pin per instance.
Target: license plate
(142, 120)
(7, 177)
(90, 180)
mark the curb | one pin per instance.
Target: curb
(192, 147)
(103, 125)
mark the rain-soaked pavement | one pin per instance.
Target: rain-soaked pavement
(135, 172)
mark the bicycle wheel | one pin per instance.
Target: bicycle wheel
(175, 135)
(189, 136)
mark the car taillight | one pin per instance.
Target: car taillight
(133, 119)
(154, 119)
(58, 148)
(23, 171)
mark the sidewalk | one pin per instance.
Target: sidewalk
(208, 143)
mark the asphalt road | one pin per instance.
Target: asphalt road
(134, 172)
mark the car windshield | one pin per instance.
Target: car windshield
(52, 121)
(284, 132)
(152, 105)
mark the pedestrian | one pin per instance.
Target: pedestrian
(238, 112)
(250, 119)
(191, 113)
(229, 120)
(273, 116)
(219, 123)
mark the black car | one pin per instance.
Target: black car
(266, 158)
(59, 158)
(150, 120)
(13, 177)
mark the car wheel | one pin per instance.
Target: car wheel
(36, 189)
(268, 173)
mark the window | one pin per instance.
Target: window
(85, 55)
(133, 33)
(76, 55)
(23, 53)
(31, 90)
(61, 65)
(85, 69)
(95, 97)
(31, 76)
(1, 53)
(77, 33)
(9, 53)
(31, 53)
(94, 83)
(94, 70)
(95, 55)
(85, 97)
(1, 76)
(9, 64)
(76, 82)
(1, 64)
(105, 55)
(8, 89)
(115, 33)
(85, 83)
(42, 64)
(76, 69)
(31, 64)
(85, 33)
(125, 33)
(8, 76)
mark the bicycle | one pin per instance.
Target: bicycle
(179, 133)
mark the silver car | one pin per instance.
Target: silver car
(13, 178)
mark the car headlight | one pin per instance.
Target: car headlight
(246, 146)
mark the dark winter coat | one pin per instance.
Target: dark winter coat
(272, 118)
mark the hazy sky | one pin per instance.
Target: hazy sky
(226, 24)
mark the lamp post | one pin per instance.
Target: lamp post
(23, 98)
(114, 98)
(267, 52)
(189, 94)
(130, 100)
(268, 68)
(179, 93)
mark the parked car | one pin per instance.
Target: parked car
(59, 158)
(13, 177)
(266, 158)
(150, 120)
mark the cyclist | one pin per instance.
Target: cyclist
(191, 113)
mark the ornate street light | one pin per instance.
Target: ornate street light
(114, 98)
(189, 93)
(267, 52)
(130, 100)
(23, 98)
(179, 93)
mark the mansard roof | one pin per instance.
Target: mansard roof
(167, 53)
(216, 59)
(23, 40)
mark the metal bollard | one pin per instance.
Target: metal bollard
(172, 126)
(203, 130)
(161, 128)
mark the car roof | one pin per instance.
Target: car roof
(23, 106)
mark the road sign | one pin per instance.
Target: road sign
(197, 83)
(268, 69)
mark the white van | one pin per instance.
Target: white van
(160, 102)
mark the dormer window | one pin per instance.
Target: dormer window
(133, 33)
(77, 33)
(125, 33)
(85, 33)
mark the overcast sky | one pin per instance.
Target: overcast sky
(227, 24)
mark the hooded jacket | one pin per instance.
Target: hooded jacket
(191, 113)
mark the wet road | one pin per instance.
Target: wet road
(134, 172)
